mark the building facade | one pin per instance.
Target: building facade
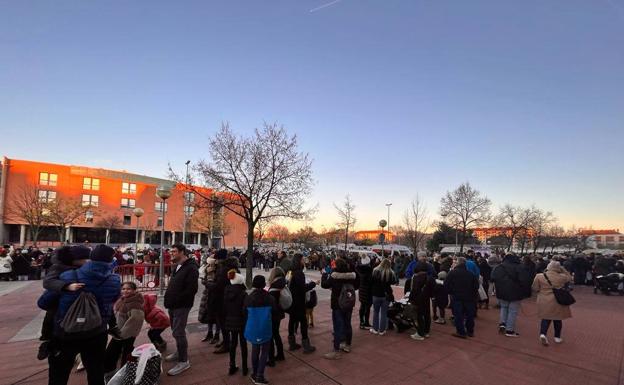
(373, 235)
(603, 239)
(108, 199)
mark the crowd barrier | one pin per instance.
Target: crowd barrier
(145, 275)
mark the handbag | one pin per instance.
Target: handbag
(482, 294)
(562, 294)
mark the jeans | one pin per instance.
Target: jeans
(546, 324)
(380, 314)
(364, 313)
(276, 348)
(464, 313)
(91, 351)
(154, 336)
(234, 336)
(179, 318)
(342, 327)
(259, 355)
(509, 313)
(115, 350)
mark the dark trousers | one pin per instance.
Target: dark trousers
(259, 355)
(179, 318)
(115, 350)
(486, 287)
(234, 336)
(154, 336)
(91, 350)
(220, 326)
(438, 307)
(300, 318)
(546, 324)
(423, 318)
(47, 327)
(276, 348)
(365, 313)
(342, 327)
(464, 314)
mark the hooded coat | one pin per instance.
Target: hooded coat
(365, 292)
(154, 315)
(547, 306)
(511, 279)
(335, 281)
(234, 301)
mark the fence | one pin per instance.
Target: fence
(145, 275)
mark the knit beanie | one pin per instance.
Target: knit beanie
(102, 253)
(221, 254)
(79, 252)
(259, 282)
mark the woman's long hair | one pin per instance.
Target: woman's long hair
(384, 272)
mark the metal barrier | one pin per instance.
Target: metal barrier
(144, 275)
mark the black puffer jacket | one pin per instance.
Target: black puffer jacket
(278, 284)
(182, 287)
(234, 301)
(222, 281)
(380, 288)
(421, 289)
(365, 292)
(335, 281)
(462, 285)
(511, 279)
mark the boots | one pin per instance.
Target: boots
(307, 348)
(208, 336)
(292, 343)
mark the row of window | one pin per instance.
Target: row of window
(93, 184)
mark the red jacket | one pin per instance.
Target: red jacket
(154, 315)
(139, 269)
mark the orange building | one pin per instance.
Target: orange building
(373, 235)
(109, 198)
(484, 233)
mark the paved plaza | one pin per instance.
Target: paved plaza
(592, 352)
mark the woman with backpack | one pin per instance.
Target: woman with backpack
(382, 280)
(298, 288)
(548, 309)
(130, 315)
(343, 284)
(277, 282)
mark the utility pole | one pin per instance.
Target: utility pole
(186, 208)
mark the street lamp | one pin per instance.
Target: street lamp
(388, 206)
(382, 237)
(163, 192)
(138, 213)
(186, 203)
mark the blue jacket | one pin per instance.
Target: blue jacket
(412, 266)
(473, 268)
(98, 279)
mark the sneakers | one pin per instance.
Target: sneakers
(345, 347)
(501, 328)
(511, 333)
(382, 333)
(543, 339)
(208, 337)
(417, 337)
(440, 321)
(214, 340)
(259, 380)
(333, 355)
(233, 369)
(179, 368)
(426, 336)
(172, 357)
(373, 331)
(558, 340)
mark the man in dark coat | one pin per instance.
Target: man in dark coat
(179, 299)
(513, 283)
(463, 287)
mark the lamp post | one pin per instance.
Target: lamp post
(388, 206)
(138, 213)
(163, 192)
(382, 237)
(185, 203)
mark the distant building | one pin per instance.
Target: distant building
(484, 233)
(107, 194)
(373, 235)
(603, 239)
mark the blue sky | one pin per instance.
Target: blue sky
(524, 99)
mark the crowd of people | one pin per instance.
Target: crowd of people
(81, 277)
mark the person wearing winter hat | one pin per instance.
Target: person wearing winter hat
(234, 300)
(440, 299)
(105, 286)
(207, 309)
(102, 253)
(548, 309)
(66, 258)
(365, 294)
(260, 309)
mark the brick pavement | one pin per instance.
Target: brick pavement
(592, 352)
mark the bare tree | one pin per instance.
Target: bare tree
(65, 212)
(463, 208)
(279, 234)
(346, 217)
(512, 220)
(540, 226)
(29, 207)
(108, 222)
(261, 229)
(526, 217)
(416, 221)
(262, 176)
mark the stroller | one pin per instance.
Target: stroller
(610, 283)
(397, 320)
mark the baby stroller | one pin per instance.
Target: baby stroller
(610, 283)
(397, 320)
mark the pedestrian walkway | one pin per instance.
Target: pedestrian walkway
(592, 352)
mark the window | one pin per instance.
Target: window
(159, 222)
(128, 188)
(90, 184)
(47, 196)
(89, 216)
(610, 238)
(158, 206)
(621, 239)
(47, 179)
(189, 197)
(128, 203)
(189, 210)
(90, 200)
(127, 220)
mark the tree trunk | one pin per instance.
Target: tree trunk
(249, 262)
(463, 239)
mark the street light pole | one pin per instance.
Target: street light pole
(185, 203)
(138, 213)
(163, 192)
(388, 206)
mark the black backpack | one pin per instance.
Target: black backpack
(346, 300)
